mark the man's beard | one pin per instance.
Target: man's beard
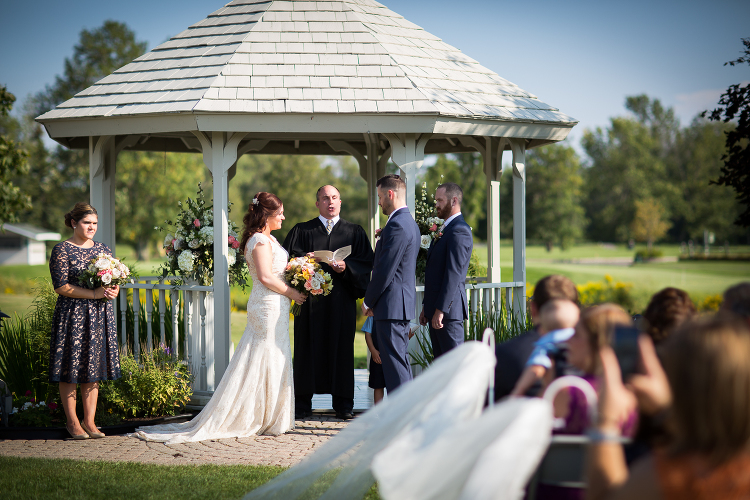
(444, 213)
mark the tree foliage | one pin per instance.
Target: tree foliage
(554, 213)
(650, 224)
(12, 165)
(735, 173)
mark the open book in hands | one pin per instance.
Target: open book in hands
(338, 255)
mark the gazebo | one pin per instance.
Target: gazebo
(339, 77)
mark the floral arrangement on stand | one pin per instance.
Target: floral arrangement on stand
(429, 229)
(190, 245)
(306, 276)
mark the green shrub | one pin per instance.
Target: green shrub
(157, 386)
(607, 291)
(644, 255)
(28, 412)
(475, 269)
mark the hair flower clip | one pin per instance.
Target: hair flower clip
(255, 201)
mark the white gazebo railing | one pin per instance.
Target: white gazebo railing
(185, 323)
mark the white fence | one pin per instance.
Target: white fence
(190, 324)
(191, 337)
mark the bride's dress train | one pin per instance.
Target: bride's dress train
(255, 395)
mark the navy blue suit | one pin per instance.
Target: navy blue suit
(392, 295)
(444, 289)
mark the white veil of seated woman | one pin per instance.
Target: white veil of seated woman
(429, 439)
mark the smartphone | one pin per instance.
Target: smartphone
(625, 345)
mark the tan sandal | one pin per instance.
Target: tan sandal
(77, 437)
(93, 434)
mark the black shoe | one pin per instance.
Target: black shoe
(302, 415)
(344, 415)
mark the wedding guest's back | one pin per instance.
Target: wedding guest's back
(737, 301)
(666, 311)
(513, 354)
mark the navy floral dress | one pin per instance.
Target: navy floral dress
(84, 345)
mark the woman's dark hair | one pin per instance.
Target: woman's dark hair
(668, 309)
(79, 211)
(257, 215)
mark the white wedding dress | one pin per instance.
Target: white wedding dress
(255, 395)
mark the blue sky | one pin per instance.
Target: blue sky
(583, 57)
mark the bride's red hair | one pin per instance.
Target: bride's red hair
(257, 215)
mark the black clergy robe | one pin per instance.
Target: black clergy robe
(324, 329)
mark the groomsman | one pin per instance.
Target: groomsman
(391, 294)
(445, 306)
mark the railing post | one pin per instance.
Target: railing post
(136, 323)
(149, 316)
(175, 299)
(123, 296)
(203, 368)
(162, 313)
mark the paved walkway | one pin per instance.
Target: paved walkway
(284, 450)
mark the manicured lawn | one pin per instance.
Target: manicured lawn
(33, 478)
(11, 304)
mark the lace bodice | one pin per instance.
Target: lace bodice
(280, 257)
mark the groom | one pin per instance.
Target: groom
(391, 294)
(445, 306)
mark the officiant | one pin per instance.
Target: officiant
(324, 330)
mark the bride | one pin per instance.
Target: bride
(255, 395)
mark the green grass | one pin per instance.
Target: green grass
(11, 304)
(33, 478)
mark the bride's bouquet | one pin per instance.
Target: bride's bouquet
(105, 270)
(306, 276)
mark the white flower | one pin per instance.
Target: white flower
(425, 241)
(194, 243)
(315, 282)
(185, 261)
(319, 276)
(102, 263)
(168, 240)
(115, 273)
(179, 244)
(207, 235)
(26, 405)
(231, 257)
(42, 403)
(106, 278)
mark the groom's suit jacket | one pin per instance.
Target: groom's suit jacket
(445, 274)
(391, 293)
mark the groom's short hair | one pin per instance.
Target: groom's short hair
(392, 182)
(453, 190)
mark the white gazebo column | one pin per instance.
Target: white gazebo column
(407, 151)
(518, 147)
(102, 169)
(219, 155)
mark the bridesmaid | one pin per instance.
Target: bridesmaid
(84, 347)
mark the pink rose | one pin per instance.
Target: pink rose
(317, 291)
(308, 286)
(53, 406)
(433, 228)
(197, 223)
(235, 244)
(28, 393)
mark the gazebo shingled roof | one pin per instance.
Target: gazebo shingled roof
(309, 77)
(284, 58)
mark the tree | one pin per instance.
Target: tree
(629, 162)
(735, 104)
(149, 185)
(649, 224)
(554, 214)
(12, 164)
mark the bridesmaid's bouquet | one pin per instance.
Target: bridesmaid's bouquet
(105, 270)
(306, 276)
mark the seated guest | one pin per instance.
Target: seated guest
(513, 354)
(737, 301)
(708, 410)
(558, 317)
(667, 310)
